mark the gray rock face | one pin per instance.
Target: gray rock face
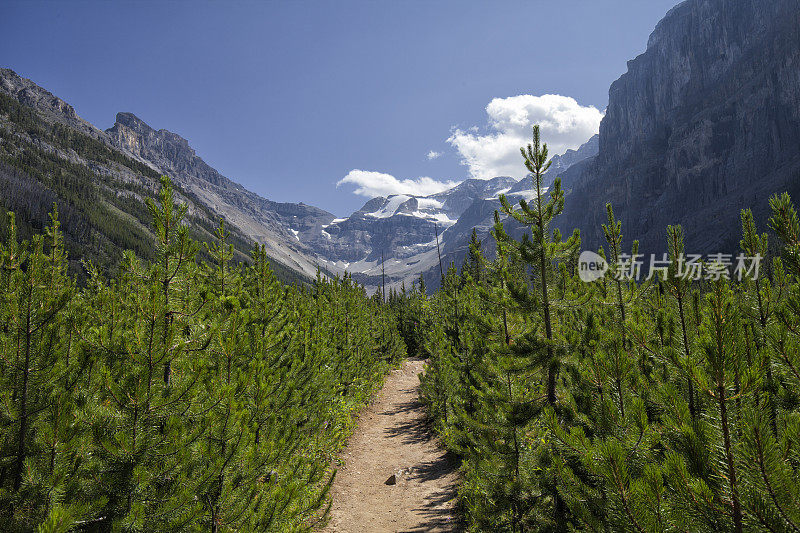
(270, 223)
(30, 94)
(560, 163)
(402, 231)
(169, 151)
(266, 222)
(52, 107)
(705, 122)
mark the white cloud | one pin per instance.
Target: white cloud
(372, 184)
(433, 155)
(564, 124)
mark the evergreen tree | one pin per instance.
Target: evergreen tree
(39, 376)
(541, 253)
(472, 263)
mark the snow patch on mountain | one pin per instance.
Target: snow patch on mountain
(391, 206)
(429, 203)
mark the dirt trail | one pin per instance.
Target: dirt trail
(393, 436)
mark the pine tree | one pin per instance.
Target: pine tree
(541, 253)
(39, 390)
(620, 360)
(721, 361)
(143, 336)
(472, 263)
(760, 307)
(678, 283)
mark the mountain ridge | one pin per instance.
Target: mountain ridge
(263, 220)
(122, 166)
(704, 123)
(403, 230)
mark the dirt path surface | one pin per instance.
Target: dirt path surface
(393, 438)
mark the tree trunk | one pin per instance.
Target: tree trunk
(23, 402)
(689, 382)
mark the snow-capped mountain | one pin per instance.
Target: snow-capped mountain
(398, 235)
(400, 228)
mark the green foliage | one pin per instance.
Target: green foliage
(178, 394)
(614, 405)
(184, 387)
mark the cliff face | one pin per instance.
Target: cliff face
(43, 101)
(266, 222)
(705, 122)
(210, 195)
(169, 151)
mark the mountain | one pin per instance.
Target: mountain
(107, 175)
(402, 236)
(705, 122)
(400, 228)
(271, 223)
(560, 163)
(100, 179)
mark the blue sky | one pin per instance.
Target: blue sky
(289, 98)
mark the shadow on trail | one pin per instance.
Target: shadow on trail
(415, 431)
(404, 407)
(437, 515)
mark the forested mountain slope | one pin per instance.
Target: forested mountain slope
(99, 180)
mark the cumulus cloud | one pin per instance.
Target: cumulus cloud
(565, 124)
(433, 155)
(372, 184)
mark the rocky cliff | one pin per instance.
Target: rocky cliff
(705, 122)
(138, 154)
(52, 107)
(272, 223)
